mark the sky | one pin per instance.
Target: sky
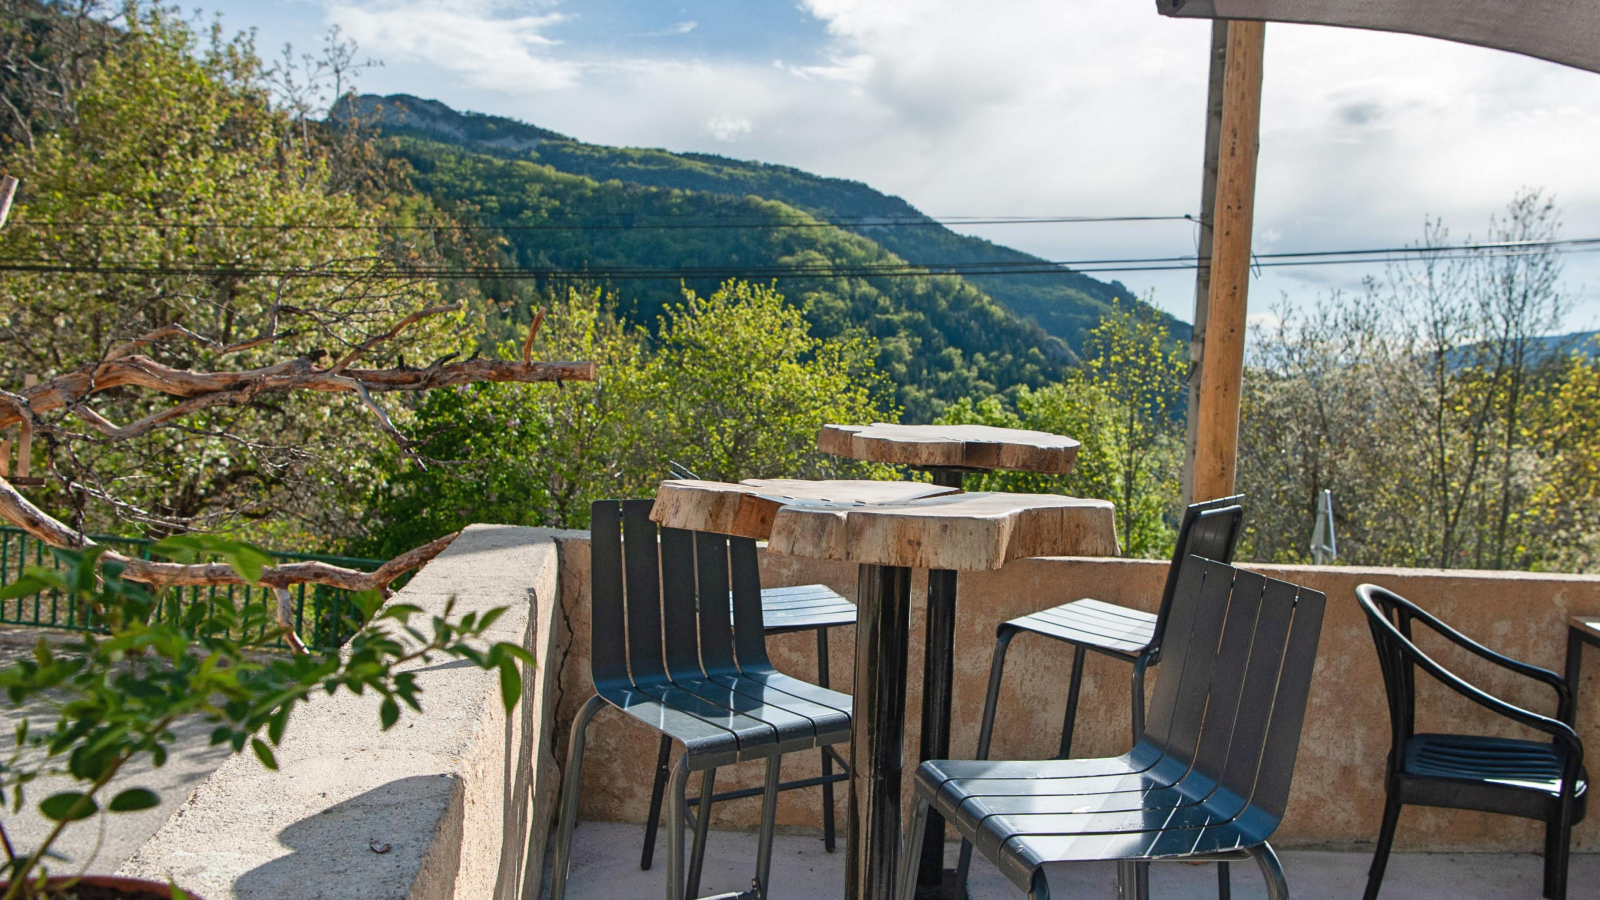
(1018, 108)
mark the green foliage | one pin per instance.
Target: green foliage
(1122, 405)
(166, 134)
(735, 386)
(1452, 429)
(743, 388)
(938, 338)
(1067, 306)
(117, 696)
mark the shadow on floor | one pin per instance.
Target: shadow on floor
(605, 866)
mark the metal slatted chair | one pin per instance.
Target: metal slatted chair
(1531, 779)
(667, 649)
(1209, 778)
(810, 607)
(1209, 529)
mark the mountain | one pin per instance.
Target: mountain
(940, 337)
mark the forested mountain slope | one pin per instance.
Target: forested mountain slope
(939, 337)
(1065, 305)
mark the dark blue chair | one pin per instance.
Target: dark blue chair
(1209, 777)
(670, 649)
(1542, 780)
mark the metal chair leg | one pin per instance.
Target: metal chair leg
(702, 825)
(1380, 855)
(1224, 881)
(1560, 855)
(1039, 889)
(675, 815)
(997, 671)
(911, 853)
(769, 824)
(656, 791)
(1069, 720)
(569, 797)
(1271, 871)
(1139, 665)
(828, 839)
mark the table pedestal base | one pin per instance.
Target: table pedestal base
(877, 735)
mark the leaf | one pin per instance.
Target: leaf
(133, 800)
(68, 806)
(388, 712)
(510, 684)
(32, 582)
(178, 893)
(264, 753)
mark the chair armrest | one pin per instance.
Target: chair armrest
(1563, 691)
(1560, 731)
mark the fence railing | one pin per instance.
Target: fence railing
(321, 613)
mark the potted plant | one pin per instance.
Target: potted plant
(116, 691)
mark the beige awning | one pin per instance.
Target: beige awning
(1563, 31)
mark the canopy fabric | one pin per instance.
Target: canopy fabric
(1563, 31)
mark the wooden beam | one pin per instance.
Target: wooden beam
(1222, 369)
(1208, 217)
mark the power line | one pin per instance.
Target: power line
(1495, 249)
(747, 223)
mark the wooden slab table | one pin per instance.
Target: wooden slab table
(888, 538)
(947, 452)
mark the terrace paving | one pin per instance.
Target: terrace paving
(605, 866)
(105, 842)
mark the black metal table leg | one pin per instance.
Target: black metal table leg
(1575, 642)
(938, 679)
(877, 732)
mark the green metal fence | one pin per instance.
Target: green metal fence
(321, 613)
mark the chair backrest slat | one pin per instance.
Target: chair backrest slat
(641, 566)
(716, 623)
(1172, 676)
(1289, 703)
(678, 614)
(608, 651)
(1199, 667)
(1225, 706)
(1258, 686)
(1210, 529)
(749, 627)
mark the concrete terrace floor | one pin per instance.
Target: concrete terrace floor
(605, 866)
(104, 842)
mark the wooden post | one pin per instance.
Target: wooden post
(1208, 216)
(1222, 368)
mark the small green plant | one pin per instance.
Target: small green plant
(115, 693)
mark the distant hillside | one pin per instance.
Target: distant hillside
(939, 338)
(1065, 306)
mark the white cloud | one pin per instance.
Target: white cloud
(480, 39)
(729, 129)
(673, 31)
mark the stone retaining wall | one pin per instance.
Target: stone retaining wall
(437, 807)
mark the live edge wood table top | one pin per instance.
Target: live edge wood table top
(966, 447)
(891, 523)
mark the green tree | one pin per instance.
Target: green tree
(164, 137)
(1121, 404)
(742, 386)
(735, 387)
